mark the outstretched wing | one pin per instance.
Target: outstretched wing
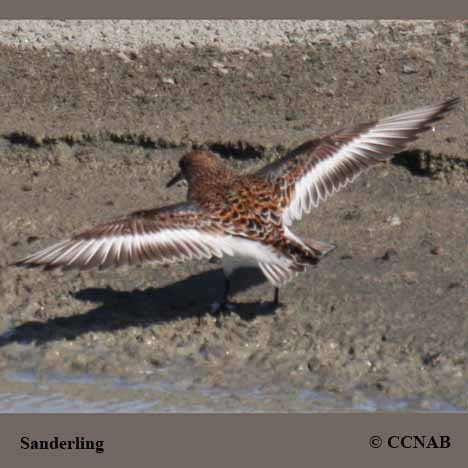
(172, 234)
(318, 168)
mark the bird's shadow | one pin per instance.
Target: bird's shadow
(117, 310)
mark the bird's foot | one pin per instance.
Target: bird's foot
(218, 307)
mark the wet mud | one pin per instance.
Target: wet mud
(85, 136)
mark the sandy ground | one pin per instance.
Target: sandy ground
(89, 134)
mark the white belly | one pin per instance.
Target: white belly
(247, 253)
(231, 263)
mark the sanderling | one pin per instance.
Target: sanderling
(244, 219)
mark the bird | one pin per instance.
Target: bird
(244, 219)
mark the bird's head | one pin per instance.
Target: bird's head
(196, 164)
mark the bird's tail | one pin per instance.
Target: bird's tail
(299, 255)
(319, 248)
(306, 251)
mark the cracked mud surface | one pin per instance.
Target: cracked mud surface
(87, 136)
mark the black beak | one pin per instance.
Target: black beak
(175, 179)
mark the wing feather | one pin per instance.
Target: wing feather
(171, 234)
(318, 168)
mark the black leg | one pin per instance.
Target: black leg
(276, 298)
(225, 305)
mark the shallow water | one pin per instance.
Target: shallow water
(28, 392)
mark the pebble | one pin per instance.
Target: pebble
(394, 220)
(218, 65)
(291, 116)
(390, 253)
(124, 57)
(437, 250)
(408, 69)
(168, 80)
(410, 277)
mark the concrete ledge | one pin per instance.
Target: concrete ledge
(226, 35)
